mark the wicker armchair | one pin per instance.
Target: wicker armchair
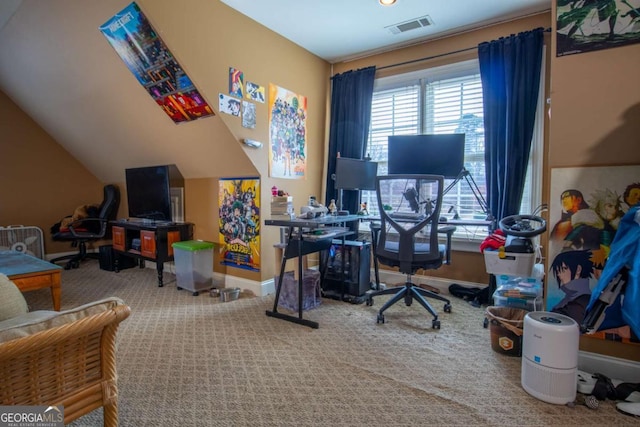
(63, 358)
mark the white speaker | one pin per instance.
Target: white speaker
(550, 357)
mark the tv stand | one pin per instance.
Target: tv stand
(155, 239)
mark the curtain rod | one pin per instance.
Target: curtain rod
(547, 30)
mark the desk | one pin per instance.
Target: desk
(302, 241)
(30, 273)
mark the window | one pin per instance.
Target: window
(440, 100)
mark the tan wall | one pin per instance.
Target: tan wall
(229, 39)
(40, 183)
(595, 120)
(465, 266)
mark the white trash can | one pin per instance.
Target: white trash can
(194, 265)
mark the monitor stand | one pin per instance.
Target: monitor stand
(466, 175)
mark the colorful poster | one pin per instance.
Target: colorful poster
(287, 133)
(239, 213)
(255, 92)
(229, 105)
(148, 58)
(588, 25)
(236, 82)
(585, 210)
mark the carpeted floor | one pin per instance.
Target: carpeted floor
(195, 361)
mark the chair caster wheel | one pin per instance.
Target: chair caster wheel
(447, 308)
(178, 288)
(485, 323)
(380, 318)
(369, 301)
(435, 324)
(67, 267)
(195, 294)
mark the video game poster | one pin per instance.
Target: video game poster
(145, 54)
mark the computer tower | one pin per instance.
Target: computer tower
(107, 258)
(356, 279)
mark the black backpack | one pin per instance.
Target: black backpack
(476, 296)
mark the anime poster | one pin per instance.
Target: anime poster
(255, 92)
(148, 58)
(287, 134)
(588, 25)
(239, 201)
(229, 105)
(585, 211)
(236, 82)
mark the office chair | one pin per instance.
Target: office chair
(408, 236)
(89, 229)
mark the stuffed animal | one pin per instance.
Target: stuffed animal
(81, 212)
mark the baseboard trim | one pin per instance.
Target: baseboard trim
(612, 367)
(391, 278)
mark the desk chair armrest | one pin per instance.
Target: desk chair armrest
(448, 230)
(82, 223)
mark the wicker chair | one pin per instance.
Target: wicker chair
(66, 359)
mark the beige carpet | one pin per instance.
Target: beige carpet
(195, 361)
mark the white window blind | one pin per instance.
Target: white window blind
(437, 101)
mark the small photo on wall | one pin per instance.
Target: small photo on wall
(229, 105)
(236, 82)
(255, 92)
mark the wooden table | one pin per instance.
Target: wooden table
(30, 273)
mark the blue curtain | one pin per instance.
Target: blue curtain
(510, 73)
(351, 96)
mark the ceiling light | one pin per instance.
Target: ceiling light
(387, 2)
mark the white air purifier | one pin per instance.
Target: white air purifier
(550, 357)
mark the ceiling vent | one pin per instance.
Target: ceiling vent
(403, 27)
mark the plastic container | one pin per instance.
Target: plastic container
(529, 304)
(310, 290)
(519, 292)
(506, 325)
(511, 263)
(194, 265)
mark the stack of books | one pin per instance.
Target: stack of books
(281, 205)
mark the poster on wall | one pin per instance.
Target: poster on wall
(236, 82)
(584, 26)
(239, 222)
(585, 211)
(287, 134)
(148, 58)
(255, 92)
(229, 105)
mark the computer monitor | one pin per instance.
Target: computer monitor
(441, 154)
(355, 174)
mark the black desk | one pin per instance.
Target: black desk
(302, 241)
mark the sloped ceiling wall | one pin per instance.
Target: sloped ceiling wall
(58, 67)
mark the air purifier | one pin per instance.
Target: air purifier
(550, 357)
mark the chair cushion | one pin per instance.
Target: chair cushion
(12, 302)
(40, 320)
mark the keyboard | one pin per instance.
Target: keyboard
(406, 215)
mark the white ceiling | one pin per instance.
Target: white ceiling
(338, 30)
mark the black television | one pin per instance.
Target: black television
(355, 174)
(150, 190)
(441, 154)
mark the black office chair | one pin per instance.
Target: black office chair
(408, 236)
(82, 231)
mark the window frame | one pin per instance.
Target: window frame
(468, 238)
